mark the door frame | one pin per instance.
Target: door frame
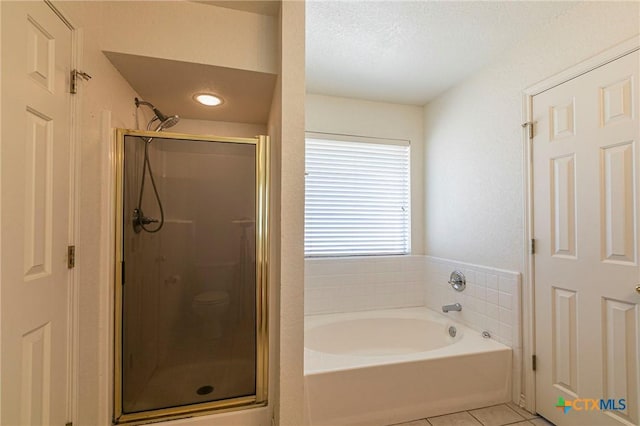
(73, 304)
(528, 279)
(262, 185)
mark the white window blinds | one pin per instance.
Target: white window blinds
(357, 198)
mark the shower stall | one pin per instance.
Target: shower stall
(191, 271)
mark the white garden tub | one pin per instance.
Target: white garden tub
(388, 366)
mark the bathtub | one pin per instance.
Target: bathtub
(390, 366)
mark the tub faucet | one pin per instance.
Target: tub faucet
(455, 307)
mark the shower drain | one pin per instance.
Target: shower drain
(204, 390)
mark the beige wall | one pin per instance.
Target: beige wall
(331, 114)
(290, 394)
(473, 152)
(191, 32)
(219, 128)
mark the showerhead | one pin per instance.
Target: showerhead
(165, 121)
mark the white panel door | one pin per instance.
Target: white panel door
(35, 150)
(586, 201)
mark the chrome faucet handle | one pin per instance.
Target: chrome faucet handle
(458, 281)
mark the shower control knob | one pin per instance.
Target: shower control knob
(458, 281)
(638, 288)
(140, 220)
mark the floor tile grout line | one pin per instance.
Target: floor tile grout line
(515, 423)
(517, 414)
(469, 412)
(535, 415)
(450, 414)
(442, 415)
(477, 419)
(522, 419)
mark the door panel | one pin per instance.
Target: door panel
(617, 211)
(585, 159)
(36, 134)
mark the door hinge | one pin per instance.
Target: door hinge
(534, 362)
(71, 257)
(529, 127)
(73, 89)
(533, 246)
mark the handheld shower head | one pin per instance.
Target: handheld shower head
(165, 121)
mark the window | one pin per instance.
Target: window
(357, 196)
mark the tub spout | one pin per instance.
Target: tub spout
(455, 307)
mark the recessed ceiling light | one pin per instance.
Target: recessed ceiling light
(207, 99)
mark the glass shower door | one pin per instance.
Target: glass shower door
(192, 281)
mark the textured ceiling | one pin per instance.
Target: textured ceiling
(410, 51)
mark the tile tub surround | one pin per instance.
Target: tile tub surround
(491, 301)
(349, 284)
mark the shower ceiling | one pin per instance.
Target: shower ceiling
(170, 86)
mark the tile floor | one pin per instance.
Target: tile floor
(496, 415)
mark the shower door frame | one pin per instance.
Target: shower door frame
(262, 245)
